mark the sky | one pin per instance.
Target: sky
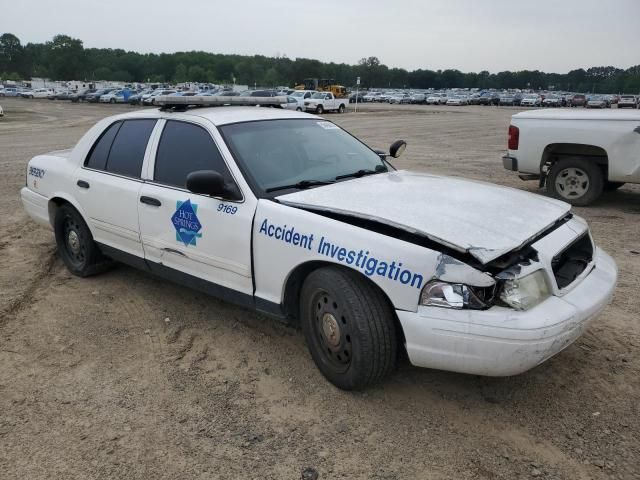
(469, 35)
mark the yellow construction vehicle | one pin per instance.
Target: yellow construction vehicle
(323, 85)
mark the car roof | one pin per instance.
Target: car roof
(225, 115)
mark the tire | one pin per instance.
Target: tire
(298, 109)
(76, 247)
(341, 108)
(349, 328)
(611, 186)
(113, 100)
(319, 109)
(575, 180)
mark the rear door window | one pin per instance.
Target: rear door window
(100, 152)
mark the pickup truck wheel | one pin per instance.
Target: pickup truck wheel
(575, 180)
(348, 327)
(75, 243)
(341, 108)
(319, 109)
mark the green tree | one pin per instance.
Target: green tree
(65, 58)
(11, 53)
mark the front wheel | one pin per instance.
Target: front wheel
(319, 109)
(298, 109)
(75, 243)
(575, 180)
(348, 327)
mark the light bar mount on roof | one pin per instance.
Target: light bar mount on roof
(180, 103)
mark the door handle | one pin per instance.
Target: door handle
(154, 202)
(82, 184)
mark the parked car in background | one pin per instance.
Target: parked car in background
(434, 98)
(507, 99)
(577, 154)
(258, 93)
(458, 100)
(578, 100)
(60, 95)
(531, 100)
(418, 98)
(400, 98)
(371, 96)
(292, 104)
(302, 95)
(598, 101)
(81, 95)
(136, 98)
(627, 101)
(9, 92)
(352, 98)
(151, 99)
(26, 92)
(552, 100)
(116, 96)
(321, 102)
(95, 96)
(41, 93)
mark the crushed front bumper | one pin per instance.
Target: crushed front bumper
(501, 341)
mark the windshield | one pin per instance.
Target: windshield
(273, 153)
(297, 94)
(533, 97)
(318, 95)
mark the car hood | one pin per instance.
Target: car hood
(481, 219)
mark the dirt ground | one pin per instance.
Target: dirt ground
(126, 376)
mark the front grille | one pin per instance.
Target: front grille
(572, 261)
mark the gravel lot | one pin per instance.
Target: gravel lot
(126, 376)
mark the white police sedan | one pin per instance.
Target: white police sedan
(287, 213)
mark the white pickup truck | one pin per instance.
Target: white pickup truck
(321, 102)
(577, 154)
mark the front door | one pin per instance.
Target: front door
(206, 238)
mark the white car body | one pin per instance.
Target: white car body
(372, 97)
(629, 101)
(609, 137)
(41, 93)
(530, 101)
(1, 111)
(598, 102)
(301, 96)
(458, 100)
(400, 230)
(434, 99)
(327, 102)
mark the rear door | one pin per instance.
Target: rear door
(203, 237)
(108, 183)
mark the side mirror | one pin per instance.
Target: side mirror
(397, 148)
(210, 182)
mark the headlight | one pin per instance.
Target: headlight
(526, 292)
(455, 295)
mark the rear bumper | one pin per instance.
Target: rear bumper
(501, 341)
(36, 206)
(510, 163)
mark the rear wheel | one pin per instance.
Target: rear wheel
(113, 100)
(75, 243)
(575, 180)
(341, 108)
(348, 327)
(298, 109)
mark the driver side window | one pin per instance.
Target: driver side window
(185, 148)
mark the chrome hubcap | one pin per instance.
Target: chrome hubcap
(331, 330)
(572, 183)
(73, 241)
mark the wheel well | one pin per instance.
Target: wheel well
(293, 286)
(54, 204)
(556, 151)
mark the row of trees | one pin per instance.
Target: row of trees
(65, 58)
